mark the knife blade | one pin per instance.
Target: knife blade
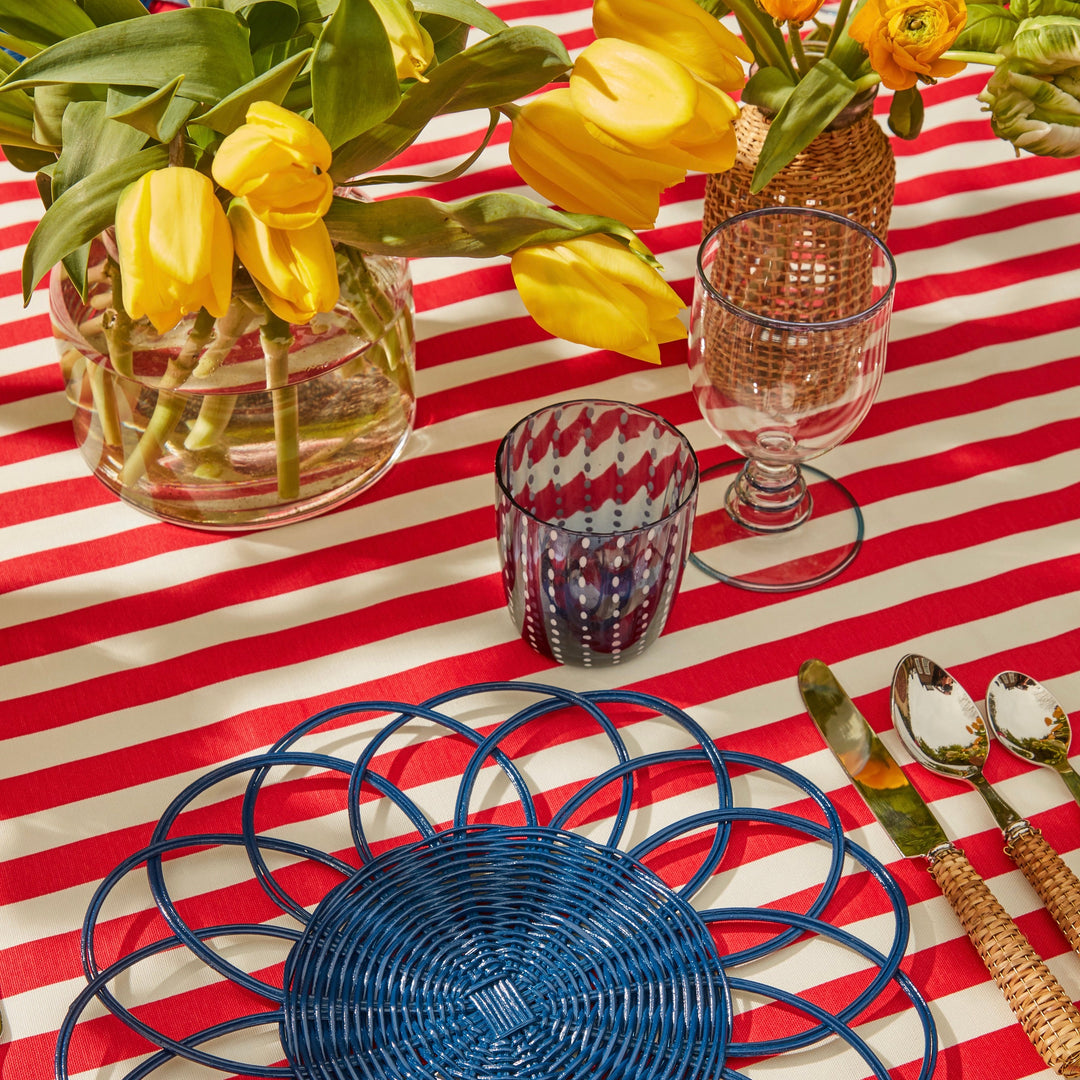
(1037, 999)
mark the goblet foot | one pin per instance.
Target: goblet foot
(768, 498)
(761, 549)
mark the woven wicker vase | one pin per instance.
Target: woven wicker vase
(849, 169)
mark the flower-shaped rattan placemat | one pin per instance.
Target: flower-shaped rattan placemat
(493, 951)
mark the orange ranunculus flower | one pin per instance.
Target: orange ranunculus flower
(556, 155)
(680, 30)
(280, 163)
(797, 11)
(641, 102)
(905, 38)
(597, 292)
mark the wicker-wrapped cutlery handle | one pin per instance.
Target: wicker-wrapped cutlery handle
(1046, 1013)
(1058, 887)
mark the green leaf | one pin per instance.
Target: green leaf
(1030, 9)
(349, 96)
(822, 92)
(44, 24)
(448, 36)
(159, 114)
(906, 113)
(459, 169)
(50, 103)
(988, 26)
(314, 11)
(268, 21)
(43, 182)
(76, 264)
(230, 112)
(1045, 45)
(768, 88)
(495, 70)
(151, 52)
(468, 12)
(82, 212)
(479, 228)
(17, 45)
(514, 62)
(17, 114)
(25, 158)
(103, 12)
(92, 141)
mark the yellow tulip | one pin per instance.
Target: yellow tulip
(279, 162)
(557, 156)
(597, 292)
(639, 101)
(797, 11)
(294, 269)
(411, 44)
(175, 248)
(905, 38)
(680, 30)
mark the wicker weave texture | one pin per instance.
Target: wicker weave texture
(850, 171)
(1058, 887)
(1044, 1010)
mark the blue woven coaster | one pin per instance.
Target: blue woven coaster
(496, 952)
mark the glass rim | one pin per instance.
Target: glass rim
(690, 494)
(787, 324)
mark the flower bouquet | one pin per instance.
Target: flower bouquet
(809, 68)
(205, 173)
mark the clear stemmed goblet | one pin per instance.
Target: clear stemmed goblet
(789, 329)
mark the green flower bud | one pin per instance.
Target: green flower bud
(1034, 96)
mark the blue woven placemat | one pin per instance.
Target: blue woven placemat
(488, 951)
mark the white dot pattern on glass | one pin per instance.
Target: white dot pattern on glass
(595, 505)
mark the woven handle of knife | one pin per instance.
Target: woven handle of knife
(1044, 1010)
(1058, 887)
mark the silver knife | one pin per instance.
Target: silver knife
(1045, 1011)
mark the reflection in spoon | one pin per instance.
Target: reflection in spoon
(941, 727)
(944, 731)
(1028, 721)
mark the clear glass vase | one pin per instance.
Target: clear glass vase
(231, 426)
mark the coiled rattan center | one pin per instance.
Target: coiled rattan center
(494, 953)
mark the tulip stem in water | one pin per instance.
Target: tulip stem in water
(230, 328)
(168, 409)
(104, 394)
(180, 367)
(117, 323)
(214, 416)
(363, 295)
(169, 406)
(276, 339)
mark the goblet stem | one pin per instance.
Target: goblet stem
(769, 498)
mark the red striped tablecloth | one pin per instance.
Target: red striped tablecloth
(135, 655)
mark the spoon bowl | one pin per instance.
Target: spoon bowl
(943, 729)
(1030, 723)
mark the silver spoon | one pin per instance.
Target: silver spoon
(1029, 722)
(944, 731)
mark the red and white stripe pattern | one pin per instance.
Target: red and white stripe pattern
(134, 655)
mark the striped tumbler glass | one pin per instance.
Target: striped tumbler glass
(595, 506)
